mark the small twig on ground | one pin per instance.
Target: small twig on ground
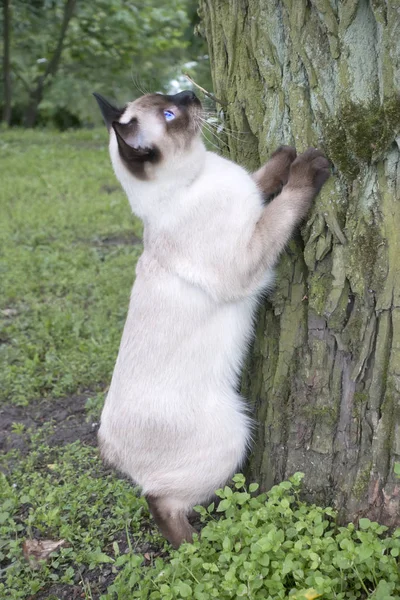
(208, 94)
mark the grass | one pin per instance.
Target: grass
(65, 494)
(68, 250)
(65, 284)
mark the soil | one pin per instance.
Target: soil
(119, 239)
(66, 415)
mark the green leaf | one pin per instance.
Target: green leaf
(224, 505)
(242, 590)
(184, 589)
(165, 589)
(239, 480)
(365, 552)
(287, 566)
(227, 544)
(342, 562)
(383, 591)
(264, 560)
(241, 497)
(364, 523)
(319, 530)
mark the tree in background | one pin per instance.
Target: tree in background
(62, 50)
(6, 63)
(324, 372)
(44, 79)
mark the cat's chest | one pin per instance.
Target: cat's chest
(157, 284)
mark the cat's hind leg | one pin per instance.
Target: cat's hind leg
(171, 518)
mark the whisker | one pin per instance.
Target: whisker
(238, 138)
(137, 83)
(220, 128)
(221, 143)
(215, 122)
(206, 124)
(210, 142)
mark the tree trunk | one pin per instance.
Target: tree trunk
(36, 95)
(32, 110)
(6, 63)
(324, 371)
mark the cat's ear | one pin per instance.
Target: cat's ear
(110, 113)
(129, 143)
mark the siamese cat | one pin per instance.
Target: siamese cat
(173, 419)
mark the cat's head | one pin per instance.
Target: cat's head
(153, 134)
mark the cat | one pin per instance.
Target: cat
(173, 420)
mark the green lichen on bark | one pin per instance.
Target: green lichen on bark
(337, 319)
(363, 252)
(358, 134)
(360, 487)
(335, 141)
(319, 285)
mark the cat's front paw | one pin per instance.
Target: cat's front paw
(275, 173)
(281, 161)
(309, 172)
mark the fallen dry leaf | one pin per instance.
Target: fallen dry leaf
(309, 594)
(37, 550)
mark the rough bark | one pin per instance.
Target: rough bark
(36, 94)
(324, 372)
(6, 63)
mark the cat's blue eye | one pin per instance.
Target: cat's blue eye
(169, 115)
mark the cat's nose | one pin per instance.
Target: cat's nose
(185, 98)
